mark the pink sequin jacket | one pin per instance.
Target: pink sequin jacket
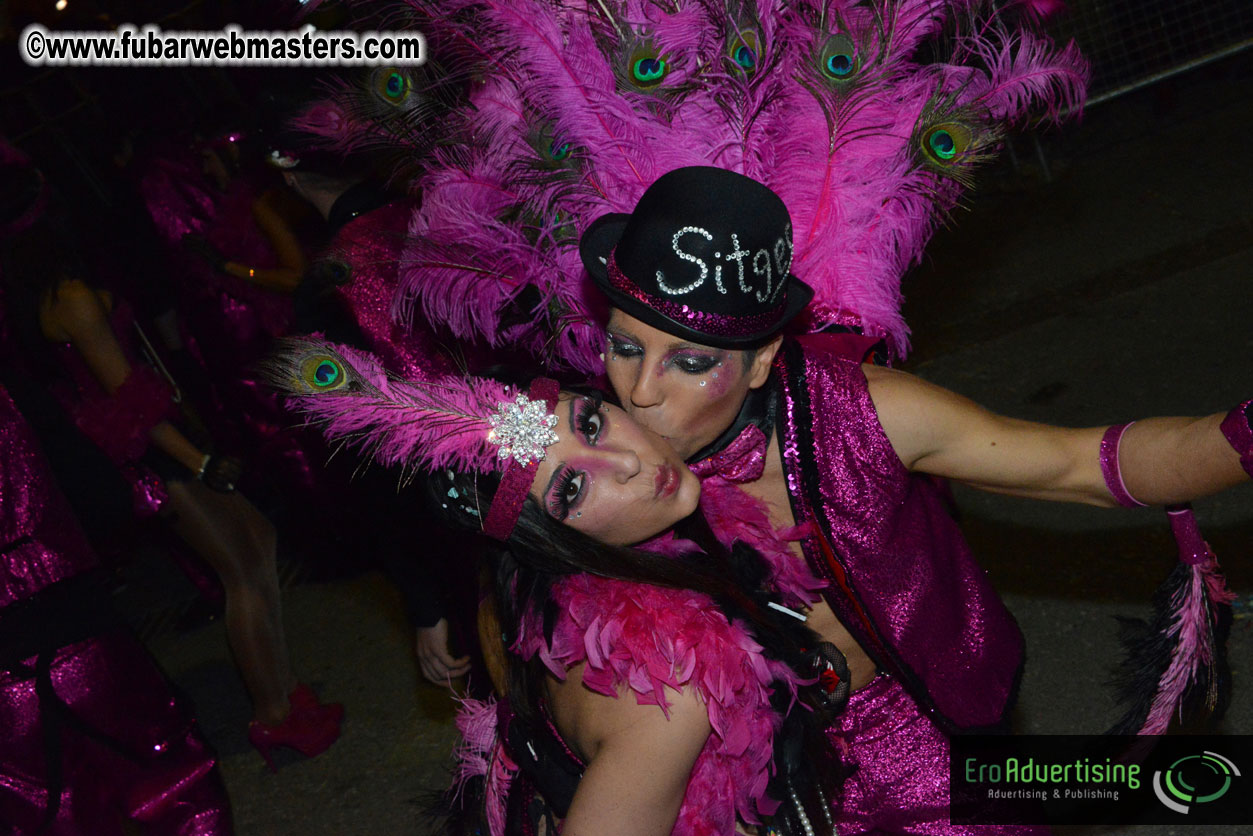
(40, 541)
(369, 247)
(900, 575)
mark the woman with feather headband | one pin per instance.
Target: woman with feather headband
(647, 692)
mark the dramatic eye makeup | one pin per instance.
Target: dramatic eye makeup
(686, 359)
(693, 362)
(620, 346)
(567, 486)
(565, 490)
(586, 418)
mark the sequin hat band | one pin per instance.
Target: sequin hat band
(712, 324)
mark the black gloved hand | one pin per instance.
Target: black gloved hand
(200, 245)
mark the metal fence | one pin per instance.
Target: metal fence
(1133, 43)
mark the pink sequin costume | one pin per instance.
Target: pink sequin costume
(900, 775)
(369, 249)
(125, 748)
(901, 578)
(903, 581)
(647, 639)
(229, 323)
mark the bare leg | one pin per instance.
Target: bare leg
(239, 543)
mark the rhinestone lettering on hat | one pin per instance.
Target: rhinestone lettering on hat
(704, 268)
(761, 267)
(737, 255)
(522, 429)
(783, 250)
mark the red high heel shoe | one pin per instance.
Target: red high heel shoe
(310, 727)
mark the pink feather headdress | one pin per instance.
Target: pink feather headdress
(462, 423)
(830, 103)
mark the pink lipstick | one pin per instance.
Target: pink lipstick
(667, 481)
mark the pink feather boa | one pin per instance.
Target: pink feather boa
(736, 515)
(119, 423)
(648, 639)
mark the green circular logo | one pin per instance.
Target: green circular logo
(1194, 779)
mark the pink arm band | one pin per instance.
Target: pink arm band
(1110, 443)
(1239, 434)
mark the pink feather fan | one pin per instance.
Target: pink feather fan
(880, 146)
(829, 103)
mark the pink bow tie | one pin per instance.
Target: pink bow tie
(743, 460)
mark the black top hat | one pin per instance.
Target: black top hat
(706, 255)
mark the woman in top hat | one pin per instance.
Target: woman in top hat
(647, 692)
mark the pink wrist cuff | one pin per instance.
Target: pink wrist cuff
(1109, 467)
(1192, 546)
(1239, 434)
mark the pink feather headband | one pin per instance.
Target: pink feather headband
(462, 422)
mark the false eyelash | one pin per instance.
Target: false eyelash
(558, 506)
(588, 407)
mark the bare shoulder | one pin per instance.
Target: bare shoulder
(639, 759)
(73, 305)
(590, 720)
(894, 388)
(918, 417)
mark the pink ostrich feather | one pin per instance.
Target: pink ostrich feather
(1192, 623)
(1192, 631)
(862, 203)
(476, 723)
(498, 222)
(500, 217)
(440, 423)
(1023, 72)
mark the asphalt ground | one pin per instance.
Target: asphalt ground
(1113, 285)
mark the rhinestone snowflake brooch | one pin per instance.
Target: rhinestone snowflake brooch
(522, 429)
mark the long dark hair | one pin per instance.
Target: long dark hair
(33, 264)
(541, 550)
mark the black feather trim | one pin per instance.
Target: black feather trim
(1149, 647)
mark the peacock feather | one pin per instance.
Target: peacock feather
(868, 117)
(412, 425)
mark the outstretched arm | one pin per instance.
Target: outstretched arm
(1163, 460)
(639, 760)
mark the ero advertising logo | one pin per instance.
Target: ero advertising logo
(1194, 780)
(1100, 779)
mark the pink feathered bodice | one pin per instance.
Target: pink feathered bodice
(647, 640)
